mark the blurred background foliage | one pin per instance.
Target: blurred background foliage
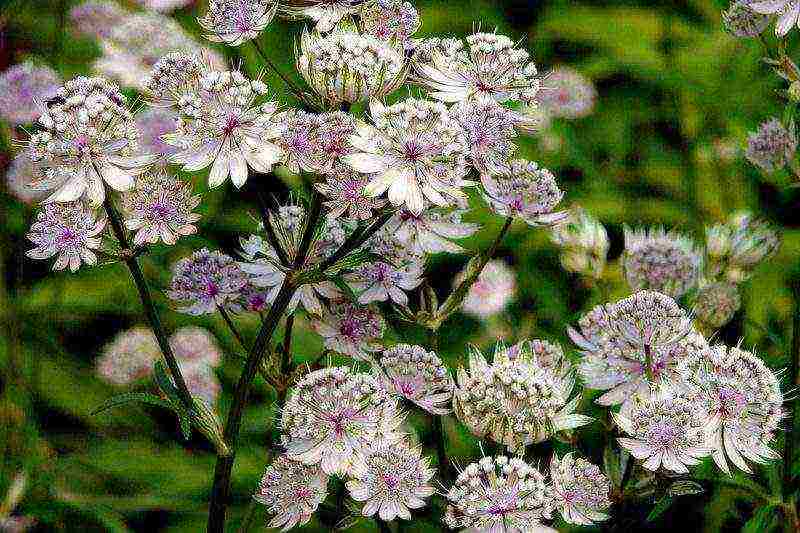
(664, 146)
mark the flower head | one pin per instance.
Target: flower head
(516, 401)
(345, 196)
(334, 414)
(345, 66)
(632, 346)
(22, 88)
(584, 243)
(351, 329)
(415, 150)
(432, 231)
(490, 130)
(70, 231)
(234, 22)
(716, 303)
(741, 21)
(228, 126)
(523, 189)
(492, 292)
(86, 141)
(317, 143)
(194, 345)
(737, 247)
(788, 12)
(580, 489)
(326, 14)
(205, 281)
(172, 77)
(743, 400)
(291, 491)
(390, 20)
(129, 357)
(484, 65)
(391, 478)
(498, 494)
(411, 372)
(662, 261)
(96, 19)
(566, 93)
(772, 145)
(159, 208)
(668, 432)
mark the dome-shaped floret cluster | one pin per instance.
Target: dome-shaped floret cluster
(234, 22)
(414, 151)
(490, 130)
(390, 20)
(742, 400)
(391, 478)
(666, 432)
(291, 491)
(772, 146)
(580, 490)
(172, 76)
(498, 494)
(584, 243)
(345, 66)
(659, 260)
(525, 190)
(351, 329)
(741, 21)
(716, 303)
(633, 345)
(205, 281)
(516, 401)
(485, 65)
(86, 141)
(334, 414)
(413, 373)
(69, 231)
(738, 246)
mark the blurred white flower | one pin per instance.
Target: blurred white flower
(492, 292)
(22, 88)
(566, 93)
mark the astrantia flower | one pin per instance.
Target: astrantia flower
(415, 151)
(160, 208)
(580, 489)
(566, 93)
(391, 478)
(234, 22)
(741, 21)
(386, 280)
(498, 495)
(523, 189)
(788, 12)
(716, 303)
(632, 346)
(291, 491)
(663, 261)
(390, 20)
(486, 65)
(317, 142)
(334, 414)
(21, 174)
(86, 140)
(70, 231)
(325, 13)
(229, 126)
(491, 293)
(432, 231)
(490, 131)
(772, 146)
(351, 329)
(22, 88)
(96, 19)
(265, 270)
(153, 123)
(129, 357)
(194, 345)
(173, 76)
(743, 400)
(345, 66)
(584, 243)
(738, 246)
(413, 373)
(516, 401)
(204, 281)
(668, 432)
(346, 197)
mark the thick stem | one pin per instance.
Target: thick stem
(147, 302)
(456, 298)
(791, 429)
(220, 491)
(286, 351)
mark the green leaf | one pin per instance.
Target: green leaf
(683, 488)
(611, 463)
(128, 397)
(661, 505)
(164, 382)
(764, 520)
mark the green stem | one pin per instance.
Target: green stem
(292, 86)
(286, 351)
(356, 240)
(456, 298)
(231, 326)
(270, 229)
(147, 302)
